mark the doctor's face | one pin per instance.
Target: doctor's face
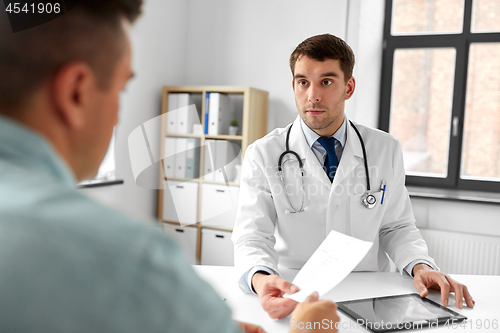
(320, 93)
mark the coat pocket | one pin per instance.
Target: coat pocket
(365, 222)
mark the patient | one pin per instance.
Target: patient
(68, 263)
(314, 316)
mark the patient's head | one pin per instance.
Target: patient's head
(63, 78)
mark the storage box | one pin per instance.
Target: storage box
(218, 205)
(180, 202)
(185, 237)
(217, 249)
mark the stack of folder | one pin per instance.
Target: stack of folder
(218, 113)
(221, 157)
(182, 113)
(182, 158)
(182, 155)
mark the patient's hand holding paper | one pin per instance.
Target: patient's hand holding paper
(332, 261)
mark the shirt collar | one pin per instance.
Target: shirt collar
(312, 136)
(18, 142)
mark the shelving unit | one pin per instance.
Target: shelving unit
(253, 122)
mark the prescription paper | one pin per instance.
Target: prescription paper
(332, 261)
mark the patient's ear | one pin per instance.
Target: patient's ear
(72, 88)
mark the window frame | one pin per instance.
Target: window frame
(461, 42)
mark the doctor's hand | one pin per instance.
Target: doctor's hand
(425, 277)
(249, 328)
(314, 311)
(270, 289)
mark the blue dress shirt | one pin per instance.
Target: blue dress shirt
(71, 264)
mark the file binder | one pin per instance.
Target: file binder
(225, 159)
(169, 158)
(207, 101)
(220, 114)
(180, 158)
(187, 114)
(192, 158)
(171, 114)
(208, 165)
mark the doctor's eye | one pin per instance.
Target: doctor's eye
(302, 83)
(327, 82)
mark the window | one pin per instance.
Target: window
(440, 92)
(106, 174)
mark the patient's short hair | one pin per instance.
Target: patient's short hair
(322, 47)
(90, 32)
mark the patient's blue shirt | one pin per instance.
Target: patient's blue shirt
(71, 264)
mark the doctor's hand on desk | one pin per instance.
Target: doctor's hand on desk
(270, 289)
(314, 311)
(425, 277)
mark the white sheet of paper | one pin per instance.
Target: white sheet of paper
(332, 261)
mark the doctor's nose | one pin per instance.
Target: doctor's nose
(314, 96)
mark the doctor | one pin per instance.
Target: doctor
(334, 175)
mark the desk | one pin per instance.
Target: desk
(484, 289)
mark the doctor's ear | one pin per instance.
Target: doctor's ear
(350, 86)
(293, 85)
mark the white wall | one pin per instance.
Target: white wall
(159, 49)
(248, 43)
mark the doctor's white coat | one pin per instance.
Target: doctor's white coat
(265, 235)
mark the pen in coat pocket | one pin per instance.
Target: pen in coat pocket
(382, 188)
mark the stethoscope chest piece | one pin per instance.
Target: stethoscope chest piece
(368, 200)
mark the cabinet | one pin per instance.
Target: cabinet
(206, 197)
(185, 237)
(213, 213)
(216, 248)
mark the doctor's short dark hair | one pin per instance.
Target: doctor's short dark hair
(322, 47)
(91, 32)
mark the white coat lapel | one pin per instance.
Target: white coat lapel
(297, 141)
(351, 156)
(312, 167)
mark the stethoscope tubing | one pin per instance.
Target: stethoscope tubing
(364, 155)
(368, 199)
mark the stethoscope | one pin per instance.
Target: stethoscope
(368, 200)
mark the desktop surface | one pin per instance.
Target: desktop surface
(485, 317)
